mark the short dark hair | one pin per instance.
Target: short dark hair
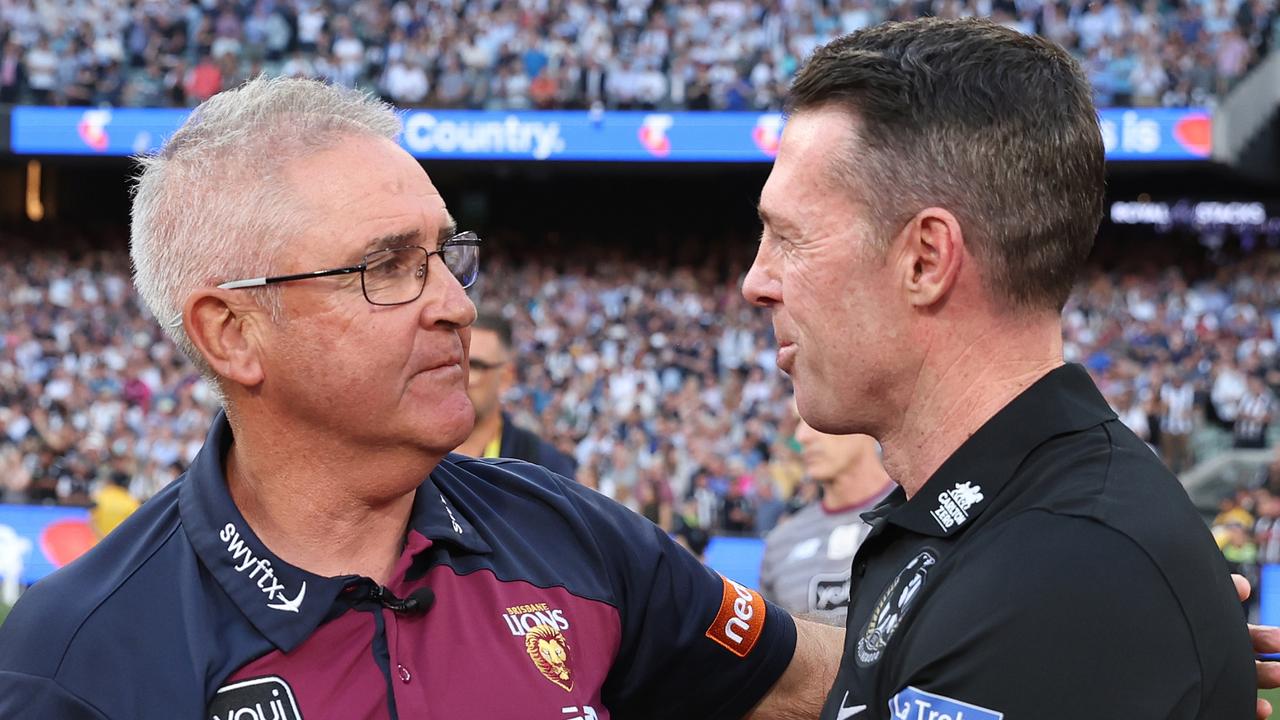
(993, 125)
(495, 323)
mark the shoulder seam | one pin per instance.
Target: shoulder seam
(540, 586)
(61, 687)
(71, 640)
(1111, 450)
(560, 486)
(1182, 610)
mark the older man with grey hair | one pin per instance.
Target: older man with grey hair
(326, 557)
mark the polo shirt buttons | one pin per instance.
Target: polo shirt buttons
(404, 673)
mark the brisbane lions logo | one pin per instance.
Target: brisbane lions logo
(549, 652)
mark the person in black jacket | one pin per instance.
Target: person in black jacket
(492, 375)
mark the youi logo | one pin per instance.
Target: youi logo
(242, 558)
(653, 134)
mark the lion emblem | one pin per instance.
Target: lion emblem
(549, 652)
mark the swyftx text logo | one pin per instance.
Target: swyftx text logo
(260, 569)
(265, 698)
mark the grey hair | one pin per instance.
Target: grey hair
(212, 204)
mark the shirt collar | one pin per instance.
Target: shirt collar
(285, 603)
(1063, 401)
(436, 511)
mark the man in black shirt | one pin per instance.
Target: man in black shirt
(937, 185)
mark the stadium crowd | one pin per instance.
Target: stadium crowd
(522, 54)
(1247, 526)
(657, 377)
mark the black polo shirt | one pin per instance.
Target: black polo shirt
(1051, 568)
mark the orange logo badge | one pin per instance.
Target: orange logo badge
(549, 652)
(740, 621)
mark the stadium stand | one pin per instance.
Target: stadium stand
(525, 54)
(659, 380)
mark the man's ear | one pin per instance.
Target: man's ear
(227, 332)
(932, 253)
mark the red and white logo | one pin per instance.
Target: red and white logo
(93, 128)
(768, 133)
(740, 621)
(653, 134)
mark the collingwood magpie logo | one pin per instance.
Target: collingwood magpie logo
(264, 698)
(891, 607)
(242, 558)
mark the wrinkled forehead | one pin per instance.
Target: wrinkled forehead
(366, 194)
(807, 173)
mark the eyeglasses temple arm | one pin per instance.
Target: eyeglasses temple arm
(237, 284)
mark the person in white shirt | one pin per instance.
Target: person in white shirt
(405, 85)
(42, 71)
(1254, 417)
(1177, 420)
(1228, 388)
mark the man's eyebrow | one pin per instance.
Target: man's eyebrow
(393, 240)
(410, 237)
(772, 221)
(448, 229)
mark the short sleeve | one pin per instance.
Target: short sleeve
(1068, 619)
(694, 644)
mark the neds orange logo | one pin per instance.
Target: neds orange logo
(741, 619)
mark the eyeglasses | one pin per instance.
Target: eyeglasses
(394, 276)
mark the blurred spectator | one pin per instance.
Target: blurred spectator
(203, 81)
(112, 504)
(1254, 414)
(695, 540)
(1233, 59)
(739, 514)
(769, 508)
(807, 559)
(694, 55)
(12, 72)
(1241, 553)
(491, 376)
(404, 85)
(1229, 385)
(650, 371)
(41, 65)
(1177, 402)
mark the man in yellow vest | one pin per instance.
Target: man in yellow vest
(112, 505)
(492, 373)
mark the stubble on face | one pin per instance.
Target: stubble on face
(835, 314)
